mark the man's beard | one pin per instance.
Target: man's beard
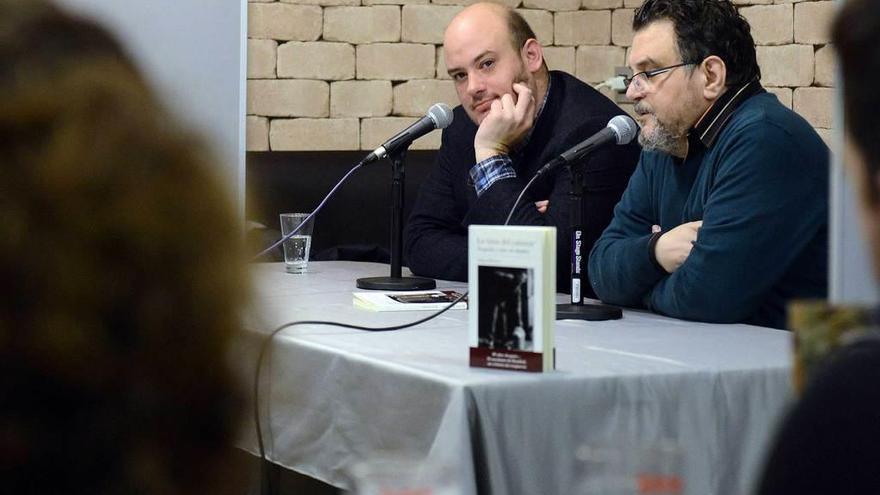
(661, 137)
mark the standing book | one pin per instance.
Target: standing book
(512, 292)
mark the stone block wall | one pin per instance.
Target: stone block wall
(347, 74)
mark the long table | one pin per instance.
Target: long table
(332, 396)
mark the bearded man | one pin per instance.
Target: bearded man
(726, 216)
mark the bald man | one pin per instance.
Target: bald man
(515, 116)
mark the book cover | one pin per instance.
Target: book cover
(512, 290)
(432, 300)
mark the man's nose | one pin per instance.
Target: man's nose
(476, 85)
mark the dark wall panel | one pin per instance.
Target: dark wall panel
(359, 212)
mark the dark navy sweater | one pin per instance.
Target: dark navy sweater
(757, 176)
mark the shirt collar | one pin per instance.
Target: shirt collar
(709, 127)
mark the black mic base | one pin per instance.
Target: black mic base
(590, 312)
(396, 283)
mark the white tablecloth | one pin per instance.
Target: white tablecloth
(333, 396)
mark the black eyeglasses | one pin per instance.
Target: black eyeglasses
(641, 79)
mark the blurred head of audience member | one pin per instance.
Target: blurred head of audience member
(121, 273)
(829, 441)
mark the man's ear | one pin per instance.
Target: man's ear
(715, 73)
(533, 55)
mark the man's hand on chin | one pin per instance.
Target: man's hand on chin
(506, 124)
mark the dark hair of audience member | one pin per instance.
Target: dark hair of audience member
(856, 36)
(704, 28)
(122, 275)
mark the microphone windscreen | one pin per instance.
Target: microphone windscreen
(624, 127)
(441, 114)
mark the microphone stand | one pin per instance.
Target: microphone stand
(577, 309)
(396, 281)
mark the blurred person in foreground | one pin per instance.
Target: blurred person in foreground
(830, 440)
(515, 116)
(121, 275)
(726, 216)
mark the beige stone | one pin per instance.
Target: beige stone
(257, 133)
(621, 27)
(396, 2)
(362, 24)
(596, 63)
(812, 22)
(510, 3)
(414, 98)
(782, 94)
(261, 58)
(316, 60)
(601, 4)
(825, 66)
(788, 65)
(395, 62)
(426, 23)
(284, 22)
(754, 2)
(585, 27)
(560, 58)
(374, 132)
(771, 24)
(816, 105)
(632, 4)
(552, 5)
(441, 65)
(260, 1)
(541, 23)
(288, 98)
(360, 99)
(323, 2)
(314, 134)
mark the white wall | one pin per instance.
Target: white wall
(194, 53)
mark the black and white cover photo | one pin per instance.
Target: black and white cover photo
(507, 307)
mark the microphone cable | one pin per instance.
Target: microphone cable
(521, 193)
(265, 346)
(312, 214)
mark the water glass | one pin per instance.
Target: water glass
(296, 249)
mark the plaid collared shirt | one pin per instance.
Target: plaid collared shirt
(497, 167)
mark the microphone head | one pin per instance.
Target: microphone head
(441, 115)
(624, 127)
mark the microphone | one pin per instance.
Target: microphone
(621, 129)
(439, 116)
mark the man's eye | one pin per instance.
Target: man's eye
(485, 64)
(459, 76)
